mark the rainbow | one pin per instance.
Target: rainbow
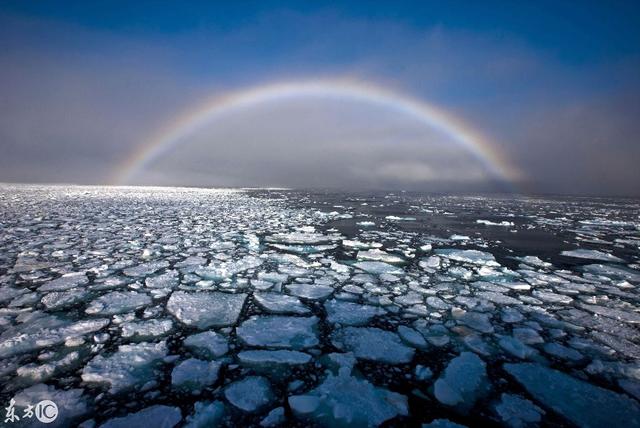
(215, 107)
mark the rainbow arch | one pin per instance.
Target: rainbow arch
(213, 108)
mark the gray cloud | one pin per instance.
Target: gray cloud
(77, 102)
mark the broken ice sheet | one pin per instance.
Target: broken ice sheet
(117, 290)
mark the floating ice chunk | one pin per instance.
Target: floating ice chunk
(613, 272)
(592, 255)
(431, 262)
(348, 313)
(43, 371)
(277, 303)
(28, 299)
(436, 334)
(468, 256)
(305, 249)
(527, 336)
(378, 268)
(129, 367)
(71, 404)
(423, 373)
(206, 309)
(549, 297)
(166, 280)
(65, 282)
(191, 261)
(49, 332)
(442, 423)
(310, 291)
(146, 269)
(516, 348)
(563, 352)
(366, 223)
(379, 255)
(534, 261)
(194, 374)
(276, 417)
(412, 337)
(250, 394)
(511, 315)
(396, 218)
(476, 320)
(619, 344)
(463, 382)
(141, 330)
(9, 293)
(518, 412)
(498, 298)
(477, 345)
(456, 237)
(492, 223)
(343, 400)
(225, 270)
(359, 245)
(263, 357)
(155, 416)
(205, 415)
(438, 303)
(584, 404)
(301, 238)
(617, 314)
(374, 344)
(279, 332)
(208, 344)
(118, 302)
(274, 277)
(62, 299)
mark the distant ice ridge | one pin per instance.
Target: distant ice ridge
(592, 255)
(504, 223)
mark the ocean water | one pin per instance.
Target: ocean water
(132, 306)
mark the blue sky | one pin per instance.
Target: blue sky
(555, 84)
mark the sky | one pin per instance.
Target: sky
(551, 88)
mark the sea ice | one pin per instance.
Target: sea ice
(592, 255)
(310, 291)
(277, 303)
(72, 404)
(584, 404)
(194, 374)
(343, 400)
(279, 332)
(141, 330)
(463, 382)
(207, 344)
(128, 367)
(65, 282)
(158, 416)
(348, 313)
(118, 302)
(518, 412)
(205, 415)
(468, 256)
(206, 309)
(278, 357)
(250, 394)
(372, 344)
(378, 268)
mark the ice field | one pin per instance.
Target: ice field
(191, 307)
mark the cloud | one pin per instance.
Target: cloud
(77, 101)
